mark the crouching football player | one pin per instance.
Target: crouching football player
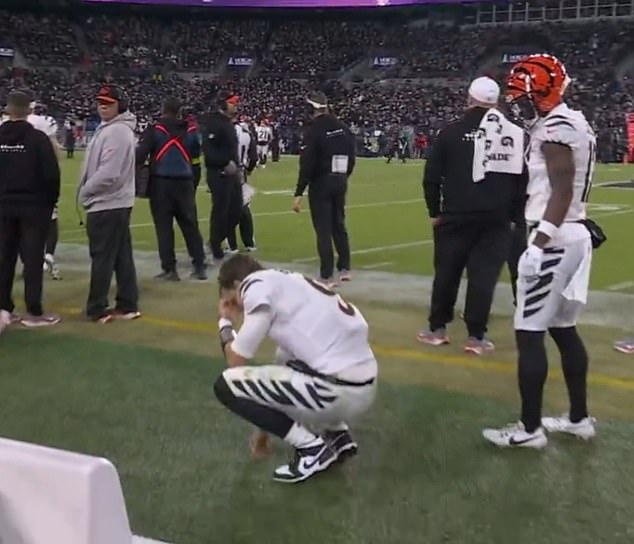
(326, 372)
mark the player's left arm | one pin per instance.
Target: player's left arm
(560, 166)
(239, 348)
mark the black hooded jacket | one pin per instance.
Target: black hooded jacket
(29, 172)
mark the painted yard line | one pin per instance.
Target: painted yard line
(621, 286)
(373, 250)
(610, 214)
(377, 265)
(481, 364)
(286, 212)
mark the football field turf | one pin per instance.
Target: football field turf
(140, 394)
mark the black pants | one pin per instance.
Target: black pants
(518, 246)
(226, 209)
(480, 247)
(52, 237)
(110, 246)
(246, 230)
(175, 199)
(327, 199)
(23, 231)
(275, 151)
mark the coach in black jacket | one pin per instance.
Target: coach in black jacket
(29, 189)
(220, 148)
(327, 159)
(474, 185)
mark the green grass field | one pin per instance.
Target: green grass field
(140, 394)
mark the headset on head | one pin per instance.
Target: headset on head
(223, 98)
(124, 100)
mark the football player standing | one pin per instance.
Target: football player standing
(554, 270)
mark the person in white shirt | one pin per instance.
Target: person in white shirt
(326, 372)
(248, 161)
(264, 134)
(554, 271)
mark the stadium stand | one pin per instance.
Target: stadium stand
(422, 86)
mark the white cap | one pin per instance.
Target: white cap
(485, 90)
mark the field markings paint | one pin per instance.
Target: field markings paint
(372, 250)
(285, 212)
(621, 286)
(377, 265)
(482, 364)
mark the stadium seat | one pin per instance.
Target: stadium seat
(51, 496)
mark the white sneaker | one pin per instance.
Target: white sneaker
(583, 429)
(306, 462)
(5, 320)
(514, 436)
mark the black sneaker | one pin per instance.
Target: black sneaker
(305, 463)
(168, 275)
(199, 273)
(342, 443)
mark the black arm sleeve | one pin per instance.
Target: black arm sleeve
(434, 177)
(307, 161)
(352, 158)
(50, 173)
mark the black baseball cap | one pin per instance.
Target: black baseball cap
(109, 94)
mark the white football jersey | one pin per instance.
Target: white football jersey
(309, 321)
(264, 133)
(45, 123)
(244, 141)
(568, 127)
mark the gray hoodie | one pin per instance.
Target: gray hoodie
(107, 176)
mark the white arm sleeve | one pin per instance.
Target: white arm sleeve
(254, 329)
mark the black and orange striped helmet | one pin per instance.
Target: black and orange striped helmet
(541, 79)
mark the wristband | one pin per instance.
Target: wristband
(226, 333)
(547, 228)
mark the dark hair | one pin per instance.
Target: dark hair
(19, 99)
(235, 269)
(172, 106)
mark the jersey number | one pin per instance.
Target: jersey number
(346, 308)
(587, 185)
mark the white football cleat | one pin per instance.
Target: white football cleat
(514, 436)
(583, 429)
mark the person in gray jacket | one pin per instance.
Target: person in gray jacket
(106, 192)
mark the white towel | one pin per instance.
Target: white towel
(577, 288)
(498, 146)
(247, 193)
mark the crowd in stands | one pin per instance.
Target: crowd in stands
(150, 56)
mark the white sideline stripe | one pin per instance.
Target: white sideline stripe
(621, 286)
(629, 209)
(373, 250)
(269, 214)
(143, 540)
(377, 265)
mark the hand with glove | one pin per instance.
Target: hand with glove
(530, 264)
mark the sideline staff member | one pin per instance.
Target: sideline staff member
(327, 159)
(29, 189)
(173, 146)
(474, 185)
(220, 147)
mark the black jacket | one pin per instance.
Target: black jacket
(167, 159)
(219, 141)
(324, 138)
(29, 172)
(448, 182)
